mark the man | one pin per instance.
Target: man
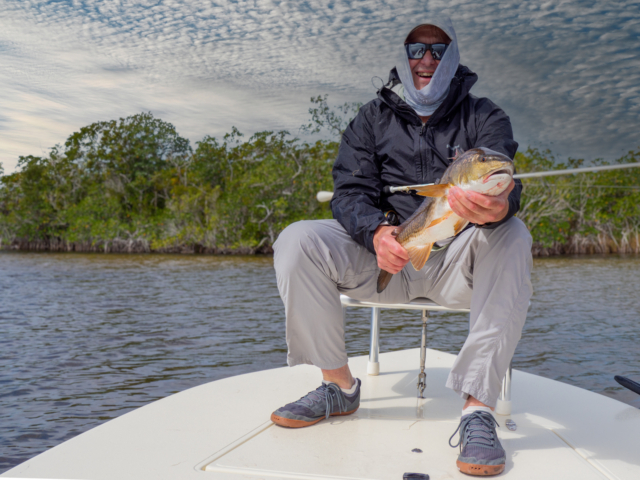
(408, 136)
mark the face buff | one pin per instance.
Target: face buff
(427, 100)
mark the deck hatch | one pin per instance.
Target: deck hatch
(363, 447)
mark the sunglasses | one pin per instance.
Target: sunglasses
(416, 51)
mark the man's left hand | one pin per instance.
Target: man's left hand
(479, 208)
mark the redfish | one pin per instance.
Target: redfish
(481, 170)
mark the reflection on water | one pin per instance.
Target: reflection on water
(86, 338)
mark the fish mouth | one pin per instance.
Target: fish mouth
(502, 171)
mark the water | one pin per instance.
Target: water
(86, 338)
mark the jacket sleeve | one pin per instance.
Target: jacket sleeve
(356, 180)
(494, 131)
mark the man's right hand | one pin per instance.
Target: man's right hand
(392, 256)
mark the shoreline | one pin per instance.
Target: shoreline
(139, 247)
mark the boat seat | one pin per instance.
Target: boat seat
(424, 305)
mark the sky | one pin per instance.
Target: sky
(566, 72)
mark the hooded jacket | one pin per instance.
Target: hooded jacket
(387, 144)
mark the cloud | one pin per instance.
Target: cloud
(567, 73)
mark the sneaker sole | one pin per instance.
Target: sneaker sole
(291, 423)
(481, 470)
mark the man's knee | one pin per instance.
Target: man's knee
(298, 239)
(506, 249)
(301, 234)
(290, 243)
(513, 236)
(292, 236)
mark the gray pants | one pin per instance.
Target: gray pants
(485, 270)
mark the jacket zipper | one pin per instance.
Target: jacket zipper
(423, 165)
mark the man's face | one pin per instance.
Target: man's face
(423, 69)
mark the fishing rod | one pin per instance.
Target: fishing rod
(549, 173)
(326, 196)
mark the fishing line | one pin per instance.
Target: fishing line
(568, 171)
(580, 186)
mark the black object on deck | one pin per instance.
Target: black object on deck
(626, 383)
(415, 476)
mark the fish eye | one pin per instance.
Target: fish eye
(483, 159)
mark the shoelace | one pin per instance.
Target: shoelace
(330, 393)
(480, 430)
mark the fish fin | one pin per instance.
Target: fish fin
(383, 280)
(440, 219)
(438, 190)
(419, 255)
(459, 225)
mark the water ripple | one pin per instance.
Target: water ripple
(87, 338)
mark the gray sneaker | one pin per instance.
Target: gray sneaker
(325, 401)
(480, 449)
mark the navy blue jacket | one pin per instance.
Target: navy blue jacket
(387, 144)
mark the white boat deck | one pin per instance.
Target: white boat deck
(221, 430)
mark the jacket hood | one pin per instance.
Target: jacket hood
(461, 84)
(426, 100)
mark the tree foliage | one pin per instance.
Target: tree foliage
(581, 213)
(134, 184)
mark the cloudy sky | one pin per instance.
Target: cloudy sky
(567, 72)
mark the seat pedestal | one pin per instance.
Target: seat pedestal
(503, 407)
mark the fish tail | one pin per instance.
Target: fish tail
(383, 280)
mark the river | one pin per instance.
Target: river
(88, 337)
